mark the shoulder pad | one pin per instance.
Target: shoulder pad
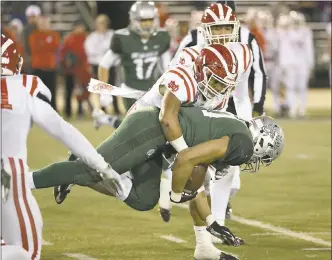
(123, 31)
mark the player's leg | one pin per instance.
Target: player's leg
(133, 143)
(303, 84)
(14, 253)
(236, 185)
(291, 95)
(204, 248)
(145, 191)
(220, 193)
(20, 216)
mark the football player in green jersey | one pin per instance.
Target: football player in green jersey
(142, 49)
(135, 150)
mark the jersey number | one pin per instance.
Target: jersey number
(218, 114)
(139, 67)
(4, 96)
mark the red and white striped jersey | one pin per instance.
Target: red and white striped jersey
(245, 60)
(24, 100)
(179, 80)
(18, 93)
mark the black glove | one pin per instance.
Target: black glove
(224, 234)
(186, 196)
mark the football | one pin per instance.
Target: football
(196, 179)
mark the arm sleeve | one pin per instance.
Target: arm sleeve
(180, 86)
(258, 76)
(240, 149)
(50, 121)
(91, 46)
(110, 59)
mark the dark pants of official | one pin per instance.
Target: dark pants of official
(49, 79)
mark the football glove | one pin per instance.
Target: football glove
(186, 196)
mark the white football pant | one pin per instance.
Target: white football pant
(21, 220)
(296, 81)
(273, 81)
(221, 192)
(14, 253)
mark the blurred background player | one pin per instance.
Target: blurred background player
(266, 23)
(140, 48)
(302, 43)
(25, 99)
(101, 37)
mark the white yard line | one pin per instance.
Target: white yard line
(79, 256)
(317, 249)
(280, 230)
(173, 239)
(46, 243)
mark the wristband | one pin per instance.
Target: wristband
(179, 144)
(176, 197)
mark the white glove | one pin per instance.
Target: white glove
(110, 174)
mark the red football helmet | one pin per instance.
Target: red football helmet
(11, 60)
(216, 72)
(220, 14)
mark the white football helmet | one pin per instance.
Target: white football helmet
(141, 11)
(268, 139)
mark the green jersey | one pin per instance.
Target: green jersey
(199, 125)
(140, 58)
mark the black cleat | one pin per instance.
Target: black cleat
(224, 234)
(165, 214)
(60, 192)
(224, 256)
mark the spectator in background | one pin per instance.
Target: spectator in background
(75, 65)
(43, 44)
(32, 13)
(16, 27)
(163, 14)
(96, 45)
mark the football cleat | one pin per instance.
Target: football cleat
(60, 192)
(224, 256)
(224, 234)
(165, 214)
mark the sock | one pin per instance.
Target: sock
(31, 184)
(128, 183)
(165, 188)
(209, 220)
(203, 237)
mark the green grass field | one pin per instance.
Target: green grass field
(293, 193)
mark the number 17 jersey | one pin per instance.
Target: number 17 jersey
(139, 57)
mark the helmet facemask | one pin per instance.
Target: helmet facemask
(215, 89)
(211, 35)
(268, 144)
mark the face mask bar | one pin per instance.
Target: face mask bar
(224, 38)
(255, 162)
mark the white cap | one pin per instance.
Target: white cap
(32, 10)
(17, 23)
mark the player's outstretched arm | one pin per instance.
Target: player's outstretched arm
(204, 153)
(168, 117)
